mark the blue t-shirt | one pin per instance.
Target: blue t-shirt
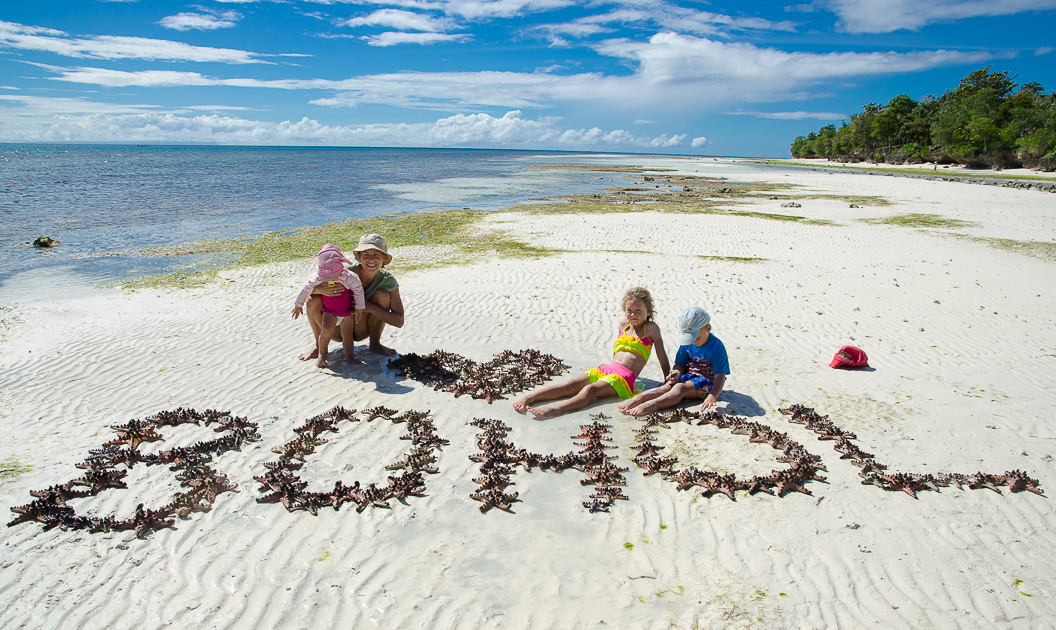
(707, 360)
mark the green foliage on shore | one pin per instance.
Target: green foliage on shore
(986, 121)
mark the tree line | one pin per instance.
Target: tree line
(986, 121)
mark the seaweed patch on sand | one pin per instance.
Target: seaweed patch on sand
(456, 232)
(932, 221)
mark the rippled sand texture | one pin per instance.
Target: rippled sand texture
(960, 335)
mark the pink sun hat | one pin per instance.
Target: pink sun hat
(330, 262)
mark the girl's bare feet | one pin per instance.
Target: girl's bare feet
(311, 354)
(320, 362)
(521, 404)
(544, 413)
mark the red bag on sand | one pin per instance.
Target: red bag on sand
(849, 356)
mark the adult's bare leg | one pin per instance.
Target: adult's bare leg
(348, 326)
(372, 327)
(314, 311)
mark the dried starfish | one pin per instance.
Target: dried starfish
(495, 499)
(148, 520)
(342, 494)
(1018, 481)
(379, 412)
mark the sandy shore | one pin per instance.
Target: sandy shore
(961, 336)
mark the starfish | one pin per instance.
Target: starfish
(711, 417)
(722, 483)
(495, 499)
(406, 485)
(99, 480)
(759, 484)
(147, 520)
(411, 416)
(184, 503)
(597, 505)
(339, 413)
(903, 482)
(647, 448)
(317, 425)
(379, 412)
(231, 423)
(342, 493)
(983, 480)
(786, 484)
(372, 496)
(179, 416)
(59, 494)
(1018, 481)
(493, 482)
(835, 433)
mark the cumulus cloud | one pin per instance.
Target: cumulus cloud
(789, 115)
(671, 65)
(200, 21)
(884, 16)
(402, 21)
(20, 37)
(75, 120)
(698, 142)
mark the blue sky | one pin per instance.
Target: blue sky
(699, 78)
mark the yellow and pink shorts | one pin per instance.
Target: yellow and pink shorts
(619, 376)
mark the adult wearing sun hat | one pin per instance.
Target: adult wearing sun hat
(384, 306)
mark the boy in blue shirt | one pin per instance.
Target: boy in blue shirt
(700, 370)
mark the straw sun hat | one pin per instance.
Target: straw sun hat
(373, 241)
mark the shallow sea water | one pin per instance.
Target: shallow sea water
(102, 202)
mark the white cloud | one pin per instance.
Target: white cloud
(674, 73)
(698, 142)
(402, 21)
(200, 21)
(800, 115)
(664, 15)
(671, 65)
(74, 120)
(218, 108)
(884, 16)
(395, 38)
(109, 47)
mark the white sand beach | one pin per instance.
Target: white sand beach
(961, 337)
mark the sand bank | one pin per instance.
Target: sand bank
(961, 336)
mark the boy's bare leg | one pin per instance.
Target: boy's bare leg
(314, 310)
(550, 392)
(600, 389)
(372, 327)
(626, 406)
(329, 321)
(669, 399)
(346, 327)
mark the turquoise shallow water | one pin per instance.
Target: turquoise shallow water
(100, 202)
